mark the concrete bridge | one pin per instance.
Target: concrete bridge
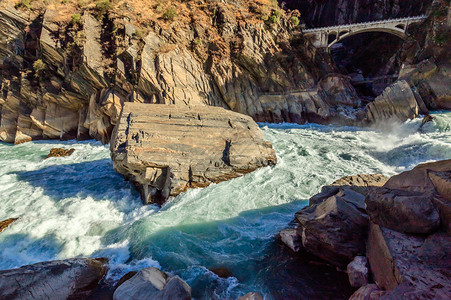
(326, 37)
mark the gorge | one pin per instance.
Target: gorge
(129, 72)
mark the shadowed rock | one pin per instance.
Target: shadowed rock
(61, 279)
(167, 149)
(151, 283)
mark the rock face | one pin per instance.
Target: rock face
(398, 101)
(408, 248)
(334, 225)
(5, 223)
(167, 149)
(72, 278)
(152, 283)
(58, 152)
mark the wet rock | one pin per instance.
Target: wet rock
(151, 283)
(71, 278)
(403, 211)
(409, 266)
(167, 149)
(357, 271)
(368, 292)
(58, 152)
(251, 296)
(125, 278)
(291, 239)
(5, 223)
(222, 272)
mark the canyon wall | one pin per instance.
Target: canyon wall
(333, 12)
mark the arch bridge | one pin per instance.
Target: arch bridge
(326, 37)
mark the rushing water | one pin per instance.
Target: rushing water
(79, 206)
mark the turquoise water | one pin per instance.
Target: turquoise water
(79, 206)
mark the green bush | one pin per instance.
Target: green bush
(442, 38)
(103, 6)
(169, 14)
(274, 19)
(294, 20)
(39, 66)
(23, 4)
(76, 19)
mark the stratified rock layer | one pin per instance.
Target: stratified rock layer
(64, 279)
(167, 149)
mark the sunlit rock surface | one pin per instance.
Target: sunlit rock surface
(166, 149)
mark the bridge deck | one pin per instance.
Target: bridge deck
(371, 23)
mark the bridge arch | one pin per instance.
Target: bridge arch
(397, 32)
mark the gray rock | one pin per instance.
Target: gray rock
(368, 292)
(151, 283)
(63, 279)
(403, 211)
(291, 239)
(167, 149)
(334, 230)
(251, 296)
(398, 101)
(357, 271)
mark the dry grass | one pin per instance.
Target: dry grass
(142, 12)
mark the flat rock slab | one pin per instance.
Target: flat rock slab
(167, 149)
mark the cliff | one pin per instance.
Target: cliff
(66, 69)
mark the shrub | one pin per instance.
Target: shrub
(103, 6)
(274, 20)
(294, 20)
(169, 14)
(76, 19)
(23, 4)
(39, 66)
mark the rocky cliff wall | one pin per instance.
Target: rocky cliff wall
(332, 12)
(68, 79)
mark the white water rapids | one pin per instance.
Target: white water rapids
(79, 206)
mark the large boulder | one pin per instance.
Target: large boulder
(71, 278)
(408, 266)
(151, 283)
(334, 230)
(403, 211)
(166, 149)
(398, 102)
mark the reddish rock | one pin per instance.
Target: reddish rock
(5, 223)
(410, 267)
(368, 292)
(251, 296)
(58, 152)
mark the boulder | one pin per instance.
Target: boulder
(334, 230)
(167, 149)
(418, 179)
(151, 283)
(63, 279)
(291, 239)
(368, 292)
(251, 296)
(403, 211)
(358, 271)
(5, 223)
(58, 152)
(409, 266)
(398, 102)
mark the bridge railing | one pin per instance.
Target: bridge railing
(387, 21)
